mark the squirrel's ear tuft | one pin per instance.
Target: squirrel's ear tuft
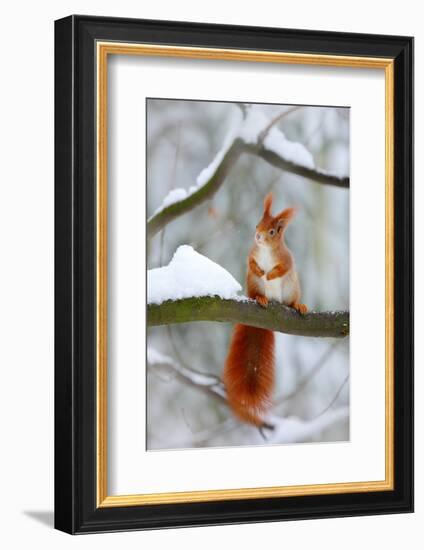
(286, 215)
(268, 203)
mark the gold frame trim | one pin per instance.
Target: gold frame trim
(119, 48)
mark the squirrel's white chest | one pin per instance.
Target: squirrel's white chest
(279, 289)
(265, 258)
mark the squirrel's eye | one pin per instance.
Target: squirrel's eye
(272, 232)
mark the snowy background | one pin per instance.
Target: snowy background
(312, 389)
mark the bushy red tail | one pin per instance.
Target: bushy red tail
(249, 373)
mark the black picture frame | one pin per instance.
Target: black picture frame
(76, 510)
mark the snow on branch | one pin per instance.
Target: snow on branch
(189, 274)
(279, 430)
(208, 383)
(194, 288)
(253, 134)
(295, 430)
(180, 201)
(257, 130)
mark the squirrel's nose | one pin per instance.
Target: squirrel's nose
(258, 236)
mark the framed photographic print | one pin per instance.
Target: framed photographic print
(234, 274)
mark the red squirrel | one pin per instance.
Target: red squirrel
(271, 275)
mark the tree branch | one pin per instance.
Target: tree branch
(213, 386)
(297, 430)
(207, 383)
(279, 430)
(314, 174)
(275, 120)
(275, 317)
(206, 191)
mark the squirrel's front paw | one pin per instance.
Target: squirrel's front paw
(262, 300)
(301, 308)
(254, 268)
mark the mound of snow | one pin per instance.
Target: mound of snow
(189, 274)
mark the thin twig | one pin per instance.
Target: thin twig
(342, 385)
(310, 374)
(172, 186)
(265, 131)
(243, 107)
(214, 379)
(201, 437)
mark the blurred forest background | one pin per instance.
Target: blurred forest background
(312, 374)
